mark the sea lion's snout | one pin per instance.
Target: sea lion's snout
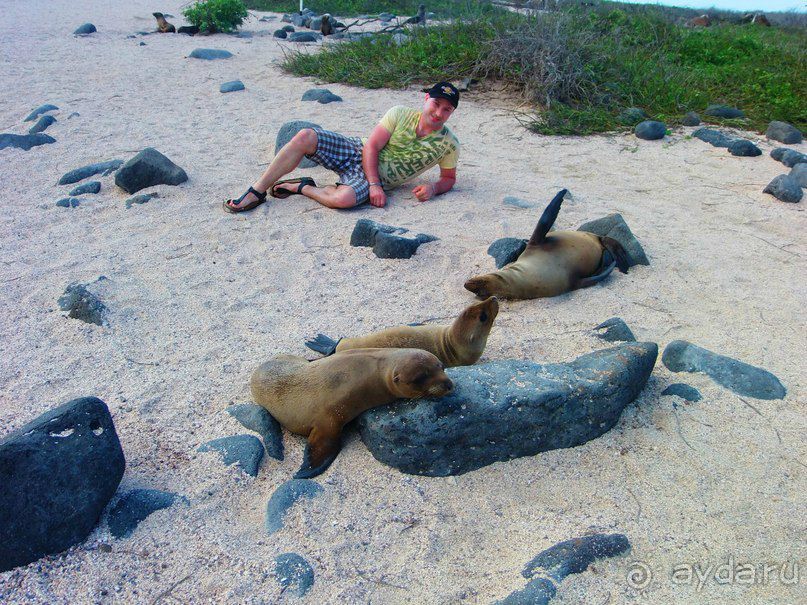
(477, 286)
(443, 387)
(157, 15)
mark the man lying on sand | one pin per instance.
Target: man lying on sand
(406, 143)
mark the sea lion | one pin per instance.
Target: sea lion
(553, 264)
(326, 27)
(458, 344)
(317, 399)
(162, 25)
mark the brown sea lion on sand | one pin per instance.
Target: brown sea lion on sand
(162, 25)
(458, 344)
(326, 27)
(317, 399)
(553, 264)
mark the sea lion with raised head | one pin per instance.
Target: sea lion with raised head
(326, 26)
(162, 25)
(555, 263)
(458, 344)
(317, 399)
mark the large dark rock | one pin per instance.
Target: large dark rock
(785, 188)
(799, 174)
(257, 418)
(146, 169)
(244, 450)
(713, 137)
(105, 168)
(41, 124)
(788, 157)
(39, 110)
(650, 130)
(294, 573)
(287, 132)
(280, 33)
(506, 250)
(210, 54)
(89, 187)
(744, 148)
(615, 330)
(83, 304)
(25, 141)
(134, 506)
(57, 474)
(508, 409)
(723, 111)
(320, 95)
(614, 226)
(83, 30)
(784, 133)
(387, 241)
(550, 567)
(743, 379)
(284, 498)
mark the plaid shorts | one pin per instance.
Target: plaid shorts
(342, 155)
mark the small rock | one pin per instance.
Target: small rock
(744, 148)
(691, 119)
(509, 200)
(68, 202)
(39, 110)
(739, 377)
(632, 116)
(244, 450)
(289, 29)
(146, 169)
(105, 168)
(713, 137)
(83, 30)
(506, 250)
(799, 174)
(280, 33)
(210, 54)
(268, 18)
(25, 141)
(320, 95)
(387, 241)
(89, 187)
(80, 303)
(284, 497)
(723, 111)
(785, 188)
(286, 18)
(141, 198)
(57, 473)
(142, 44)
(258, 419)
(788, 157)
(304, 37)
(783, 132)
(292, 571)
(615, 226)
(684, 391)
(134, 506)
(41, 124)
(287, 132)
(298, 20)
(233, 86)
(651, 130)
(615, 330)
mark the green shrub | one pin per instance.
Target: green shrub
(216, 15)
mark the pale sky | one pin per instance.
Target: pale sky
(737, 5)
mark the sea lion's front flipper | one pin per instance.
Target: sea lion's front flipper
(321, 450)
(547, 218)
(595, 279)
(322, 344)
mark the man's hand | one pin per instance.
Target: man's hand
(377, 196)
(424, 192)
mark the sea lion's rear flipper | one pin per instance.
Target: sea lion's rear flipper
(618, 253)
(597, 278)
(321, 450)
(547, 219)
(323, 344)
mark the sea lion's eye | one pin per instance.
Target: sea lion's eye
(483, 317)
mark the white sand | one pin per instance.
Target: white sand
(199, 297)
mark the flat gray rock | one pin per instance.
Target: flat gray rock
(104, 168)
(515, 202)
(785, 188)
(83, 304)
(788, 157)
(691, 119)
(146, 169)
(258, 419)
(284, 498)
(210, 54)
(25, 141)
(650, 130)
(140, 198)
(135, 506)
(83, 30)
(723, 111)
(244, 450)
(294, 573)
(40, 110)
(233, 86)
(615, 330)
(89, 187)
(739, 377)
(614, 226)
(784, 133)
(287, 132)
(41, 124)
(57, 474)
(684, 391)
(508, 409)
(713, 137)
(387, 241)
(320, 95)
(744, 148)
(799, 174)
(304, 37)
(506, 250)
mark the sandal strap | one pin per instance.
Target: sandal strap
(258, 194)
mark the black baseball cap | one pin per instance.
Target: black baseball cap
(444, 90)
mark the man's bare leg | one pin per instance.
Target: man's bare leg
(286, 160)
(332, 196)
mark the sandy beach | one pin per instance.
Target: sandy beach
(198, 298)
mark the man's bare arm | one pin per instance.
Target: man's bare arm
(369, 163)
(448, 176)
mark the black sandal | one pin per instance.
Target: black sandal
(282, 194)
(251, 206)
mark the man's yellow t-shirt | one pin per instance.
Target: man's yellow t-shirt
(406, 155)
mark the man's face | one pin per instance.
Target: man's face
(436, 111)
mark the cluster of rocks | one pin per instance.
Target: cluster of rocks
(387, 241)
(787, 187)
(35, 136)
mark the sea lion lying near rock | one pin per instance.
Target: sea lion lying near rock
(553, 264)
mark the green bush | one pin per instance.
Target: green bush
(216, 15)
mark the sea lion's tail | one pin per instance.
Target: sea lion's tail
(322, 344)
(619, 253)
